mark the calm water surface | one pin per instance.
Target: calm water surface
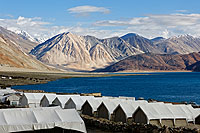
(174, 87)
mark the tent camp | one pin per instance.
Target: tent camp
(77, 102)
(47, 100)
(15, 120)
(61, 100)
(31, 100)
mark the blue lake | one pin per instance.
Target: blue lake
(174, 87)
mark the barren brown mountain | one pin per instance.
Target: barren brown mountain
(151, 62)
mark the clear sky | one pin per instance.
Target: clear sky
(102, 18)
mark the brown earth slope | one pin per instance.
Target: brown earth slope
(154, 62)
(12, 56)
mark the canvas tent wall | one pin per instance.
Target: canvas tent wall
(197, 116)
(77, 102)
(31, 99)
(47, 100)
(12, 120)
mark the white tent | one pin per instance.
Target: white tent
(189, 112)
(31, 99)
(47, 100)
(129, 107)
(15, 120)
(77, 102)
(61, 100)
(93, 105)
(106, 108)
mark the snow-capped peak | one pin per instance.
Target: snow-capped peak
(25, 35)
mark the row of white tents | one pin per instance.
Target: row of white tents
(36, 119)
(157, 113)
(122, 109)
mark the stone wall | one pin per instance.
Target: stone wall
(110, 126)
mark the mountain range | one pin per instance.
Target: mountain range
(70, 51)
(88, 52)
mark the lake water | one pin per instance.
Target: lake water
(174, 87)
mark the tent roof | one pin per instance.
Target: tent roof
(150, 112)
(94, 103)
(177, 111)
(64, 98)
(33, 97)
(50, 97)
(15, 120)
(79, 101)
(127, 108)
(110, 104)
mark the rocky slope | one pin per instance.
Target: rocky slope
(12, 55)
(22, 43)
(183, 44)
(140, 43)
(194, 67)
(82, 52)
(155, 62)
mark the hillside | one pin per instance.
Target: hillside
(22, 43)
(12, 55)
(154, 62)
(194, 67)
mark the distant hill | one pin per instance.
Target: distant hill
(155, 62)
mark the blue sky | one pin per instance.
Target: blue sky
(102, 18)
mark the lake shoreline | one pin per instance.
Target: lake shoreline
(14, 78)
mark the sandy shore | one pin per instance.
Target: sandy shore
(150, 71)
